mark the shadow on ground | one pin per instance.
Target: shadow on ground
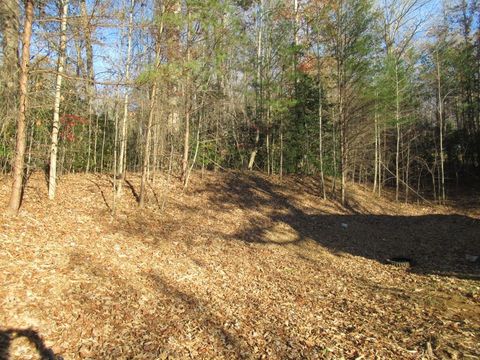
(438, 244)
(7, 336)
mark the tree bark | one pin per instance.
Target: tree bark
(251, 162)
(397, 125)
(440, 126)
(151, 114)
(90, 87)
(88, 49)
(259, 80)
(334, 152)
(407, 174)
(376, 161)
(146, 151)
(185, 185)
(123, 136)
(16, 195)
(320, 136)
(9, 23)
(280, 171)
(102, 156)
(52, 179)
(320, 118)
(187, 94)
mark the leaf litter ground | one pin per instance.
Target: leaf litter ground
(239, 266)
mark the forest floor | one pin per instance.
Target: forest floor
(239, 266)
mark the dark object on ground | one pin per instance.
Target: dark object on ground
(472, 258)
(401, 262)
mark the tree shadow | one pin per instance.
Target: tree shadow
(132, 189)
(188, 314)
(7, 336)
(102, 193)
(198, 312)
(438, 244)
(155, 196)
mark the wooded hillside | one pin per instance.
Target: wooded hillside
(383, 93)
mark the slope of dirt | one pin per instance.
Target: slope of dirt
(239, 266)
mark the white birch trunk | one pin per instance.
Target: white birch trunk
(52, 179)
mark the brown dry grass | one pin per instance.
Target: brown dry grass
(240, 266)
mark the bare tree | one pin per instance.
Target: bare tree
(123, 136)
(9, 19)
(440, 126)
(18, 171)
(87, 30)
(186, 91)
(399, 28)
(151, 113)
(52, 180)
(259, 80)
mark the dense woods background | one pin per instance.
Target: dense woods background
(386, 93)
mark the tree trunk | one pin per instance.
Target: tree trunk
(95, 143)
(343, 128)
(90, 87)
(115, 159)
(185, 185)
(9, 23)
(376, 161)
(380, 160)
(102, 156)
(343, 165)
(251, 162)
(407, 174)
(52, 179)
(16, 195)
(397, 123)
(320, 137)
(320, 122)
(186, 139)
(259, 80)
(440, 126)
(280, 171)
(123, 136)
(30, 145)
(89, 50)
(334, 151)
(151, 114)
(146, 151)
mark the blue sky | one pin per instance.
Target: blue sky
(110, 50)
